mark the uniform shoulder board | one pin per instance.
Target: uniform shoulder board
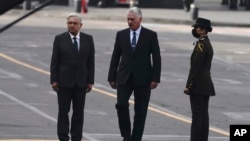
(200, 47)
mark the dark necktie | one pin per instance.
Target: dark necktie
(134, 41)
(75, 43)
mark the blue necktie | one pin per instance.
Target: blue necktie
(75, 43)
(134, 41)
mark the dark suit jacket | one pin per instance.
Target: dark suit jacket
(124, 62)
(70, 67)
(199, 79)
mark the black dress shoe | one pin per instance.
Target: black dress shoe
(126, 139)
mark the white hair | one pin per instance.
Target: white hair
(75, 15)
(136, 11)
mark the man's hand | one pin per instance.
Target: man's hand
(89, 88)
(153, 85)
(112, 84)
(186, 91)
(55, 86)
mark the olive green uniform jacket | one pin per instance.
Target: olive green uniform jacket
(199, 80)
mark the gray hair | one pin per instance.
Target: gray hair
(136, 11)
(75, 15)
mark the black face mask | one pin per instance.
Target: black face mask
(195, 33)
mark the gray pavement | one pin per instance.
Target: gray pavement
(219, 14)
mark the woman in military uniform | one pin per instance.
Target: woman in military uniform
(199, 84)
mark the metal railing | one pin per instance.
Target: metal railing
(39, 7)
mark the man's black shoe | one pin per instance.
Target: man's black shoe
(126, 139)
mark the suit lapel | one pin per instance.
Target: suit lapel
(84, 44)
(70, 43)
(140, 39)
(127, 39)
(81, 42)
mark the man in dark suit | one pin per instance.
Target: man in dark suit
(72, 76)
(199, 84)
(135, 67)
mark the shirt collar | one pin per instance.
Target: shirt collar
(72, 36)
(137, 31)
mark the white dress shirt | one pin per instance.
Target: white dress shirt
(77, 39)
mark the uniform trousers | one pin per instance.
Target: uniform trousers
(200, 117)
(66, 96)
(141, 98)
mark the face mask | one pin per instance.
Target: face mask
(195, 33)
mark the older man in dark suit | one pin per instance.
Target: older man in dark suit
(135, 67)
(72, 76)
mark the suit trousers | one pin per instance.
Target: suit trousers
(66, 96)
(200, 117)
(141, 98)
